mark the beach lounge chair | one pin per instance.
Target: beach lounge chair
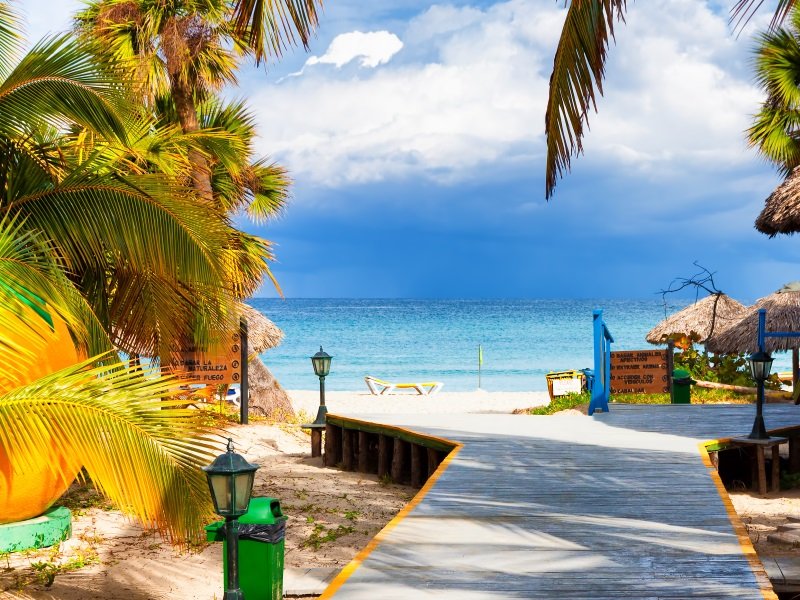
(378, 386)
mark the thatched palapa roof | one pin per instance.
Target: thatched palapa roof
(262, 334)
(781, 212)
(783, 314)
(706, 317)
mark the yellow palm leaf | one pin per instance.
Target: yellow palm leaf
(140, 446)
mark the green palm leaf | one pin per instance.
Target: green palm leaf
(267, 27)
(578, 68)
(60, 81)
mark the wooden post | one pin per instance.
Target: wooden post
(347, 449)
(316, 442)
(761, 470)
(363, 452)
(244, 388)
(794, 454)
(776, 469)
(333, 445)
(795, 367)
(384, 455)
(417, 476)
(398, 460)
(670, 369)
(433, 461)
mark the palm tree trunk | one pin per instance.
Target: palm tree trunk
(187, 115)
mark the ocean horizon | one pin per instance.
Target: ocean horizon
(437, 339)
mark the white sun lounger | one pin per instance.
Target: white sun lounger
(379, 387)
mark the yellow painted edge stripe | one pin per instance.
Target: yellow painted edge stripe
(738, 526)
(350, 568)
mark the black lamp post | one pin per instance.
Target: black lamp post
(321, 362)
(230, 480)
(760, 366)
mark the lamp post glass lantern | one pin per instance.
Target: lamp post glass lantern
(321, 362)
(230, 481)
(760, 367)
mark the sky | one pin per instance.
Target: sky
(414, 132)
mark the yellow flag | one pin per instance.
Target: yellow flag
(480, 354)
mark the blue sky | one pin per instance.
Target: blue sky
(414, 132)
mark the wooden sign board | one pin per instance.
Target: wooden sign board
(218, 366)
(640, 372)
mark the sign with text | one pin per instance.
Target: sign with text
(217, 366)
(640, 372)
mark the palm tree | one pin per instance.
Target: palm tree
(776, 127)
(70, 221)
(188, 49)
(579, 68)
(102, 417)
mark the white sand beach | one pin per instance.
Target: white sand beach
(478, 401)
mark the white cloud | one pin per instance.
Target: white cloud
(372, 48)
(468, 95)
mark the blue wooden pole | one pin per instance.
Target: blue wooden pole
(762, 324)
(599, 399)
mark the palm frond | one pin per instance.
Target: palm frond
(145, 219)
(578, 68)
(268, 27)
(142, 452)
(61, 81)
(743, 11)
(10, 39)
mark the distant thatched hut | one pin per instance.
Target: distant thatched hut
(783, 314)
(267, 397)
(698, 321)
(781, 212)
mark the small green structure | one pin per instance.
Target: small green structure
(262, 532)
(45, 530)
(682, 386)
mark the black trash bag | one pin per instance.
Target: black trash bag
(268, 534)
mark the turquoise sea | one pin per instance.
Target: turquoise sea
(416, 340)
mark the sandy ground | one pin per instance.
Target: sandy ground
(332, 514)
(478, 401)
(762, 516)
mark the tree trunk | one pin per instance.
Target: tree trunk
(267, 397)
(183, 96)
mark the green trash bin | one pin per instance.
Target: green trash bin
(682, 386)
(262, 532)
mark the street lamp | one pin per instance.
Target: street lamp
(760, 366)
(230, 480)
(321, 362)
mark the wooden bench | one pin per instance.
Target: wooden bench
(758, 468)
(316, 437)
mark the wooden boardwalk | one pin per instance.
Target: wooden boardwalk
(621, 505)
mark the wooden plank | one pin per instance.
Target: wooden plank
(418, 477)
(410, 437)
(385, 445)
(619, 506)
(348, 451)
(363, 452)
(398, 460)
(333, 445)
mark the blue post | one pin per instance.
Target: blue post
(602, 363)
(762, 325)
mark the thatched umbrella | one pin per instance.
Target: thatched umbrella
(783, 314)
(698, 321)
(267, 397)
(781, 212)
(262, 334)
